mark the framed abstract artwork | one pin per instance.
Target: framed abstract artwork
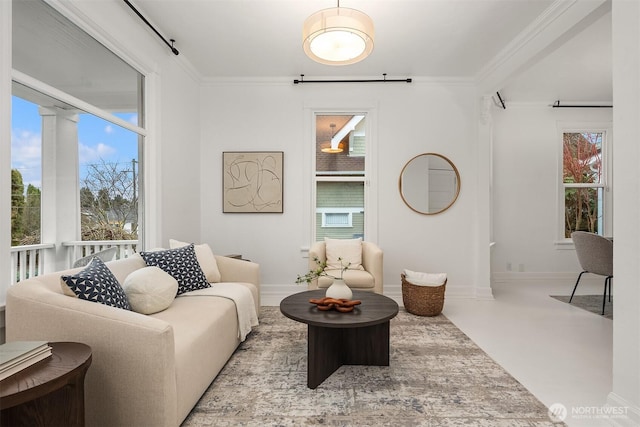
(252, 181)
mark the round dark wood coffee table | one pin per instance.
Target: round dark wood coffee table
(50, 392)
(360, 337)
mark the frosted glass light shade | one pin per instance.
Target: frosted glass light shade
(338, 36)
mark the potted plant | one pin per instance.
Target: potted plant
(338, 288)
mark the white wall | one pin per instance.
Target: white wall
(526, 162)
(626, 99)
(411, 119)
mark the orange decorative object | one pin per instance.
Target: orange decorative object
(342, 305)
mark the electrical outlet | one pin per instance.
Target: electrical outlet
(508, 266)
(520, 268)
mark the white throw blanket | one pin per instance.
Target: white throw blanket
(425, 279)
(243, 299)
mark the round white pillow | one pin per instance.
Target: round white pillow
(150, 290)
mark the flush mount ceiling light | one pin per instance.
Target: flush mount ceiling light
(338, 36)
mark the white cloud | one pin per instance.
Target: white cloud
(26, 155)
(134, 119)
(91, 154)
(108, 129)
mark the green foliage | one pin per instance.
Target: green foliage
(17, 207)
(582, 164)
(320, 271)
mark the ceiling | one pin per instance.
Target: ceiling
(228, 39)
(248, 38)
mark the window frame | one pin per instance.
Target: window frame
(369, 179)
(606, 128)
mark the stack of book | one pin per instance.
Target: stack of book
(18, 355)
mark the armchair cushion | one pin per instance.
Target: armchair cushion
(340, 252)
(356, 279)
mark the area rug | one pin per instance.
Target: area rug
(437, 377)
(592, 303)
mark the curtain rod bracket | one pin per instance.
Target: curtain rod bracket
(173, 49)
(383, 80)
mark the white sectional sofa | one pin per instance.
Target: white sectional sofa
(147, 370)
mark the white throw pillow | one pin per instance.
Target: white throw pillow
(205, 257)
(150, 290)
(350, 250)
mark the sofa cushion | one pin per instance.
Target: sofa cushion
(150, 290)
(349, 250)
(181, 264)
(205, 257)
(95, 283)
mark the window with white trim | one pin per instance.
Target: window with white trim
(585, 190)
(340, 157)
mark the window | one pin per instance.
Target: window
(340, 158)
(584, 181)
(79, 121)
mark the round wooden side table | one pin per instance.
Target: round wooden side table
(50, 392)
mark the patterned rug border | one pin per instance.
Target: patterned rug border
(437, 377)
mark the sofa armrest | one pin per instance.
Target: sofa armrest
(316, 250)
(372, 257)
(237, 270)
(121, 342)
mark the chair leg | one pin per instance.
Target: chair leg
(610, 280)
(576, 286)
(604, 297)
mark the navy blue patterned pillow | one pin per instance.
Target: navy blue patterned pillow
(97, 283)
(181, 264)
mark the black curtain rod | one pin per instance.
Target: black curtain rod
(557, 105)
(173, 49)
(504, 107)
(383, 80)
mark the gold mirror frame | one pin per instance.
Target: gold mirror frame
(413, 206)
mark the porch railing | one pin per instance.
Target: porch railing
(28, 260)
(78, 249)
(33, 260)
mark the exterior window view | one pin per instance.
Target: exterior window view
(583, 181)
(76, 139)
(340, 176)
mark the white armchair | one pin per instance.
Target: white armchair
(369, 279)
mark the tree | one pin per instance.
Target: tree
(17, 207)
(109, 202)
(31, 216)
(582, 164)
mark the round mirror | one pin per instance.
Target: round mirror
(429, 183)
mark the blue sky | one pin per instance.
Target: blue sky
(98, 139)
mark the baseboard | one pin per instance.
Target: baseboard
(555, 277)
(272, 295)
(622, 413)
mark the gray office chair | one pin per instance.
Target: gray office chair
(595, 255)
(105, 255)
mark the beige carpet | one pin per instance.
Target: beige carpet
(437, 377)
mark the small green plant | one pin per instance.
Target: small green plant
(320, 271)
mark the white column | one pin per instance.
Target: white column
(60, 183)
(483, 205)
(5, 156)
(626, 219)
